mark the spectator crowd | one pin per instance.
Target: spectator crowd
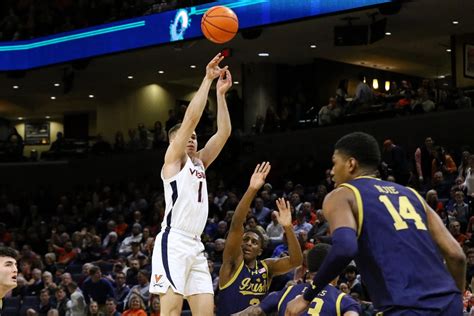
(88, 251)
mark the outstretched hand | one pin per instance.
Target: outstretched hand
(284, 212)
(224, 83)
(258, 178)
(213, 70)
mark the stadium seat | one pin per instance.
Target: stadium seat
(10, 311)
(13, 302)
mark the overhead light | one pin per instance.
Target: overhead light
(16, 87)
(56, 84)
(47, 117)
(53, 98)
(312, 46)
(387, 85)
(448, 50)
(365, 80)
(236, 82)
(20, 118)
(161, 72)
(263, 54)
(445, 84)
(441, 77)
(193, 66)
(388, 33)
(130, 77)
(91, 96)
(455, 22)
(375, 84)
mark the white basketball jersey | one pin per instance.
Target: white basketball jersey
(186, 199)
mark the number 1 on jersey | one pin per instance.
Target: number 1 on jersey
(406, 211)
(200, 192)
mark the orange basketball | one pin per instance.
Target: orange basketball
(219, 24)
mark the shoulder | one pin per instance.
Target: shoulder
(344, 191)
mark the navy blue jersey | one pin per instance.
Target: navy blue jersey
(398, 260)
(330, 301)
(247, 287)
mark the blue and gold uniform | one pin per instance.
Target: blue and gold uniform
(247, 287)
(412, 274)
(330, 301)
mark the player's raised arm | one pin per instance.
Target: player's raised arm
(450, 248)
(215, 144)
(232, 251)
(295, 256)
(176, 150)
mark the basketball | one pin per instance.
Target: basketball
(219, 24)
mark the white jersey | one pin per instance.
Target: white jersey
(186, 199)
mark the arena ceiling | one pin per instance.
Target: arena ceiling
(420, 36)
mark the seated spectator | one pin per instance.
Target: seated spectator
(422, 103)
(67, 254)
(49, 282)
(320, 229)
(282, 249)
(136, 247)
(444, 163)
(61, 301)
(35, 285)
(77, 305)
(364, 96)
(155, 306)
(455, 229)
(301, 223)
(252, 223)
(460, 210)
(142, 288)
(470, 266)
(275, 230)
(121, 290)
(261, 212)
(441, 186)
(433, 202)
(135, 307)
(111, 307)
(344, 288)
(44, 305)
(21, 289)
(132, 272)
(217, 252)
(135, 236)
(94, 309)
(214, 277)
(96, 288)
(329, 114)
(350, 275)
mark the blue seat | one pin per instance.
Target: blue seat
(13, 302)
(10, 311)
(30, 300)
(186, 313)
(74, 268)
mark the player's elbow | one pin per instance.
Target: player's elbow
(296, 260)
(457, 257)
(344, 242)
(224, 131)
